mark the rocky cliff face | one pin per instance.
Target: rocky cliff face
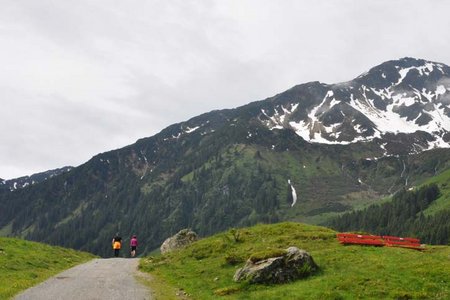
(397, 99)
(401, 105)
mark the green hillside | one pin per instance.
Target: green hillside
(208, 182)
(403, 215)
(443, 202)
(205, 269)
(238, 167)
(24, 264)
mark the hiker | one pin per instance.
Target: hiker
(116, 244)
(133, 245)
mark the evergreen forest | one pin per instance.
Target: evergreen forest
(403, 216)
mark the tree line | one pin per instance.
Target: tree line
(403, 216)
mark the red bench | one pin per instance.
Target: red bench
(359, 239)
(393, 241)
(376, 240)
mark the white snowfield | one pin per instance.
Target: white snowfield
(409, 96)
(108, 279)
(436, 101)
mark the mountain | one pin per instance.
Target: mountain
(308, 153)
(24, 181)
(403, 101)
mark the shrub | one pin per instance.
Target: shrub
(236, 235)
(233, 259)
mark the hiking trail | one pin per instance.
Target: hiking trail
(110, 278)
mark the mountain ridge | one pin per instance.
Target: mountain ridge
(236, 167)
(24, 181)
(322, 128)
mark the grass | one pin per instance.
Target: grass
(443, 202)
(6, 230)
(160, 289)
(24, 264)
(205, 269)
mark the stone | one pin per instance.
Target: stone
(294, 264)
(183, 238)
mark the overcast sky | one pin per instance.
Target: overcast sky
(80, 77)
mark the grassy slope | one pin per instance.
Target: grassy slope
(440, 204)
(347, 272)
(24, 264)
(318, 180)
(443, 202)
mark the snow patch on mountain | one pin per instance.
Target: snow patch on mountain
(105, 160)
(294, 193)
(276, 121)
(185, 129)
(189, 130)
(440, 90)
(22, 182)
(423, 70)
(374, 107)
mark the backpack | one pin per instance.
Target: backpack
(116, 245)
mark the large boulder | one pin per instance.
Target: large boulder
(183, 238)
(293, 264)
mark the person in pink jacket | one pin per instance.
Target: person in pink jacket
(133, 245)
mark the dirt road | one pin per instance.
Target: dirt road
(111, 278)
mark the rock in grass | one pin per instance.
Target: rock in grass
(291, 265)
(183, 238)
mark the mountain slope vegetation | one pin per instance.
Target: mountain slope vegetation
(205, 269)
(324, 145)
(403, 216)
(237, 185)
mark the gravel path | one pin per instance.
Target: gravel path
(111, 278)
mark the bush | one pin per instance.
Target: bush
(233, 259)
(236, 235)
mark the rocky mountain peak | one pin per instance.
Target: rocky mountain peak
(402, 105)
(405, 73)
(406, 96)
